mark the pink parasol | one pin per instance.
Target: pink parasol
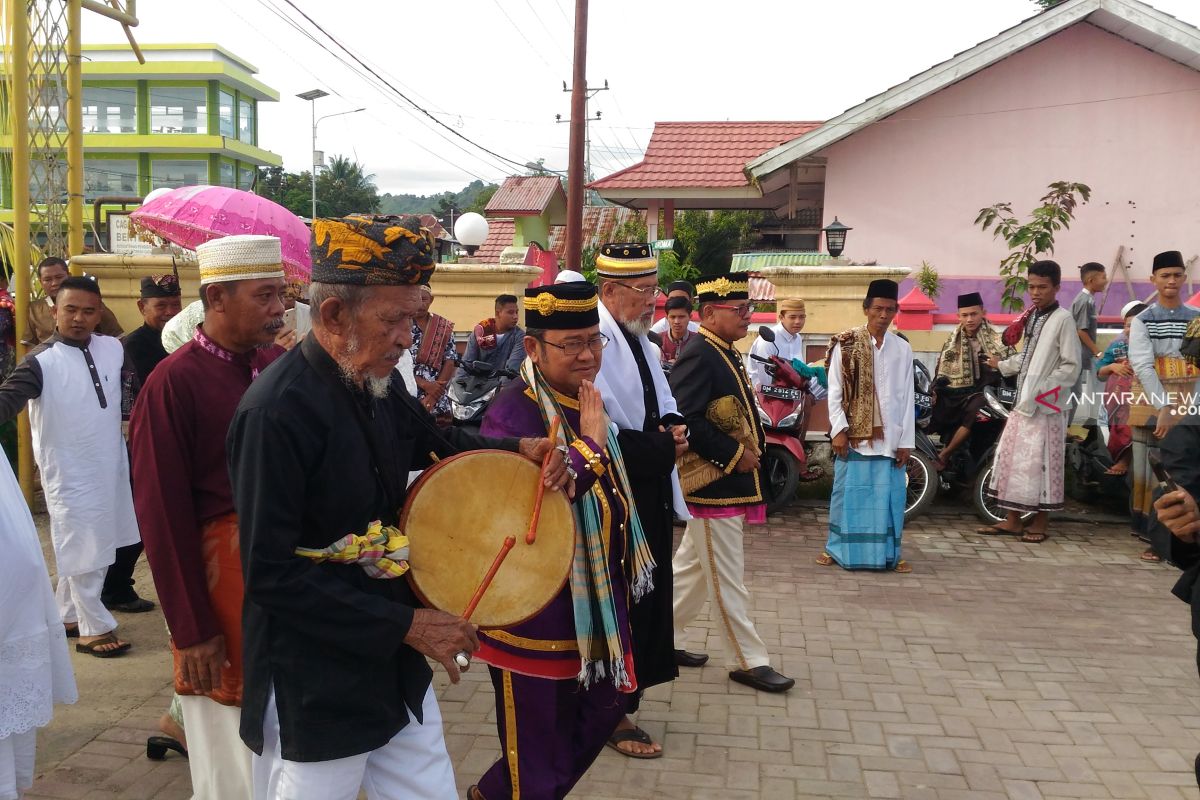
(191, 215)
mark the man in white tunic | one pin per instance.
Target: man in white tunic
(872, 423)
(1027, 474)
(73, 384)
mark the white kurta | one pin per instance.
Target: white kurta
(82, 456)
(660, 327)
(893, 365)
(620, 384)
(787, 346)
(35, 670)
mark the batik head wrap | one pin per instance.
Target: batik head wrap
(372, 251)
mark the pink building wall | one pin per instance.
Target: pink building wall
(912, 184)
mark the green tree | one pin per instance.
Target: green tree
(290, 189)
(1033, 238)
(707, 240)
(1045, 4)
(345, 188)
(482, 197)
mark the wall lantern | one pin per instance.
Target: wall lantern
(471, 230)
(835, 237)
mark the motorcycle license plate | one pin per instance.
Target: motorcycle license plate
(1007, 395)
(781, 392)
(924, 401)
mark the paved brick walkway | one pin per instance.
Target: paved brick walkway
(996, 669)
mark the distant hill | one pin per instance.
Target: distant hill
(472, 198)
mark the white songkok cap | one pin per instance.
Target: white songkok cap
(240, 258)
(569, 276)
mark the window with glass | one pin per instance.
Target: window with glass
(178, 173)
(246, 109)
(225, 105)
(109, 176)
(225, 174)
(246, 177)
(109, 109)
(178, 109)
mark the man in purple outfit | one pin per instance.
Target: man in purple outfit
(559, 676)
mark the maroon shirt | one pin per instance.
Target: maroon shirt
(180, 479)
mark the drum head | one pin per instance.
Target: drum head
(456, 519)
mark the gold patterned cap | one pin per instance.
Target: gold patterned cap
(720, 288)
(245, 257)
(626, 260)
(562, 306)
(370, 250)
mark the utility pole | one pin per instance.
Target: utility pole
(575, 164)
(588, 93)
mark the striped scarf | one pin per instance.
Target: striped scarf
(596, 630)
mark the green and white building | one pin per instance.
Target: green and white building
(189, 115)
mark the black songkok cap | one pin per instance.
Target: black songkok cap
(562, 306)
(1168, 259)
(681, 286)
(883, 289)
(723, 287)
(969, 299)
(160, 286)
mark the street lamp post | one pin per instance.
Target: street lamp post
(313, 95)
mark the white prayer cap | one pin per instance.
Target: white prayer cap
(1132, 307)
(569, 276)
(240, 258)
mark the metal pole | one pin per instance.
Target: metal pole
(313, 159)
(18, 114)
(576, 144)
(74, 132)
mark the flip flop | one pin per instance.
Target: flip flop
(992, 530)
(632, 735)
(93, 648)
(902, 566)
(1151, 556)
(1033, 537)
(824, 560)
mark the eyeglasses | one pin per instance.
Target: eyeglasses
(741, 310)
(655, 292)
(575, 347)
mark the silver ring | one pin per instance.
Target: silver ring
(562, 448)
(463, 660)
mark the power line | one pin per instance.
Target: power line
(334, 92)
(401, 94)
(375, 85)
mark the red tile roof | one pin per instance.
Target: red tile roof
(431, 222)
(500, 236)
(599, 222)
(702, 154)
(524, 196)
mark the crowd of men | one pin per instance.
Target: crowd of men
(270, 446)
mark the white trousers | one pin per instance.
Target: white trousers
(710, 565)
(218, 759)
(79, 602)
(414, 764)
(17, 754)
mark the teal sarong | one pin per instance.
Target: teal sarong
(866, 512)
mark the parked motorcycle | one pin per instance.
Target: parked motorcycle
(920, 471)
(1090, 461)
(782, 411)
(471, 393)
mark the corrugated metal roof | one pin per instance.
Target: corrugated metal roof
(599, 223)
(524, 196)
(702, 154)
(749, 262)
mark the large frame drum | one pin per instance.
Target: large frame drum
(457, 516)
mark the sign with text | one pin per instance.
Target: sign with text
(121, 241)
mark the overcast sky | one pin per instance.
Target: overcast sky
(492, 70)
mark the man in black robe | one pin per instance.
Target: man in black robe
(652, 435)
(337, 691)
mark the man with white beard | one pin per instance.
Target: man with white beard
(653, 435)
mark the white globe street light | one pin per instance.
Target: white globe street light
(471, 230)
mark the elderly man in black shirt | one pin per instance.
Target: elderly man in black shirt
(337, 693)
